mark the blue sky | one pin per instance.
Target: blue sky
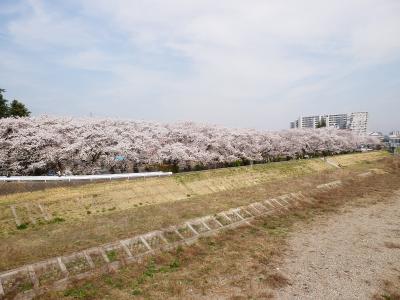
(258, 63)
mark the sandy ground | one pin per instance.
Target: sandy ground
(346, 256)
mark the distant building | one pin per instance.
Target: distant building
(394, 139)
(378, 135)
(356, 121)
(306, 122)
(339, 121)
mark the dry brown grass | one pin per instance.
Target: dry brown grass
(238, 264)
(277, 280)
(392, 245)
(124, 218)
(390, 290)
(75, 199)
(49, 240)
(348, 159)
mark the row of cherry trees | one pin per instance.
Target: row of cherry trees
(87, 146)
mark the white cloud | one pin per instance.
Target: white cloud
(39, 28)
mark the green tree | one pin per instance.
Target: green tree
(3, 105)
(18, 109)
(321, 124)
(14, 109)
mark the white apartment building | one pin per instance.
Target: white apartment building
(356, 121)
(338, 121)
(306, 122)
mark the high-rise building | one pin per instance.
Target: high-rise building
(338, 121)
(356, 121)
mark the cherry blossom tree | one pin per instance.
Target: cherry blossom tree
(87, 146)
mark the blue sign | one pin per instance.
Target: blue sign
(120, 158)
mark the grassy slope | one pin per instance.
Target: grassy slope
(240, 264)
(101, 212)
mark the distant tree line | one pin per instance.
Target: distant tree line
(13, 109)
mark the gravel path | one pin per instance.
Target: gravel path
(345, 256)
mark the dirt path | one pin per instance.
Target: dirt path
(346, 256)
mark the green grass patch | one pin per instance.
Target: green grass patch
(22, 226)
(26, 286)
(150, 272)
(136, 291)
(114, 282)
(56, 220)
(83, 292)
(112, 255)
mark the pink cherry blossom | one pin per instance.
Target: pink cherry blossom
(87, 146)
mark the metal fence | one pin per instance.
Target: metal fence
(83, 177)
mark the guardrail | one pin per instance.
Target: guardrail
(83, 177)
